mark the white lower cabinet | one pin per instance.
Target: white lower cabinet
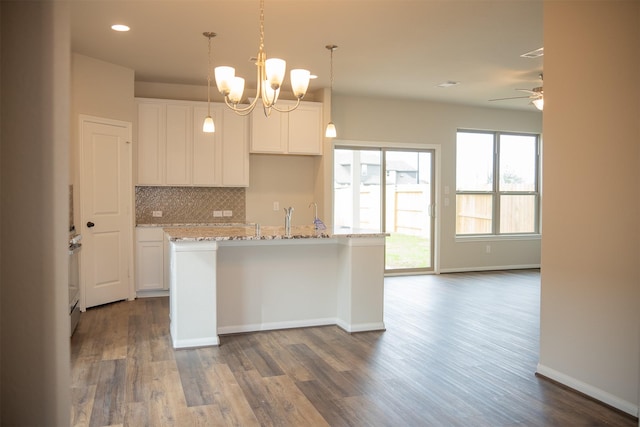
(150, 265)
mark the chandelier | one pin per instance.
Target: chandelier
(270, 74)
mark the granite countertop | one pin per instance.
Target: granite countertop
(248, 232)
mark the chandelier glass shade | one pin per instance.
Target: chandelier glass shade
(270, 75)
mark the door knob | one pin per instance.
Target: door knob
(90, 224)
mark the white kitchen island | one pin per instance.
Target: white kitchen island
(229, 279)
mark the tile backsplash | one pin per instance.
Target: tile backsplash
(189, 205)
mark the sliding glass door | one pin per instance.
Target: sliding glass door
(388, 190)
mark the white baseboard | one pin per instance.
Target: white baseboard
(254, 327)
(151, 294)
(361, 327)
(199, 342)
(589, 390)
(489, 268)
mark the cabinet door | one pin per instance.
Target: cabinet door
(235, 149)
(151, 140)
(268, 134)
(206, 148)
(305, 129)
(149, 259)
(179, 144)
(150, 268)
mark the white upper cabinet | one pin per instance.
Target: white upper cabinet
(151, 140)
(297, 132)
(179, 144)
(235, 146)
(173, 150)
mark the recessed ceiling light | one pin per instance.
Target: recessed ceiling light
(448, 83)
(120, 27)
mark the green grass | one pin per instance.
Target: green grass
(404, 251)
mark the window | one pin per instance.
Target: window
(507, 205)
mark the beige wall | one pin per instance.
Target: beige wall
(288, 180)
(590, 316)
(396, 122)
(100, 89)
(34, 373)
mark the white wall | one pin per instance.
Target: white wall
(396, 122)
(34, 374)
(590, 319)
(100, 89)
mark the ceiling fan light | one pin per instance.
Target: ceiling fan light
(538, 103)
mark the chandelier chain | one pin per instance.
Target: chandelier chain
(261, 25)
(270, 74)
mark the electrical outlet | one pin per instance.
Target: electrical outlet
(488, 249)
(227, 213)
(276, 206)
(217, 214)
(156, 214)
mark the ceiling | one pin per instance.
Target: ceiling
(387, 48)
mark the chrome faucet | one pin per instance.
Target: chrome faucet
(317, 224)
(315, 214)
(287, 221)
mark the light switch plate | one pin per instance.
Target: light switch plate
(217, 214)
(227, 213)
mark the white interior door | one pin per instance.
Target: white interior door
(106, 194)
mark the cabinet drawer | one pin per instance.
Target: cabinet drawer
(149, 234)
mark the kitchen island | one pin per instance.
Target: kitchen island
(239, 279)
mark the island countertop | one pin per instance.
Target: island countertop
(250, 232)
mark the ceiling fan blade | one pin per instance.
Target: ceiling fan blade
(513, 97)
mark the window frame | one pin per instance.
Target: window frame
(496, 193)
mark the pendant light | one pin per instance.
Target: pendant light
(208, 126)
(331, 128)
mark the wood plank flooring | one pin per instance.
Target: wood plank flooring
(459, 350)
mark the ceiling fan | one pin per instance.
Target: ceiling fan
(535, 95)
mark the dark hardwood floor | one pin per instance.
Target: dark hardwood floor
(459, 350)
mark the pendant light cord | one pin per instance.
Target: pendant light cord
(209, 81)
